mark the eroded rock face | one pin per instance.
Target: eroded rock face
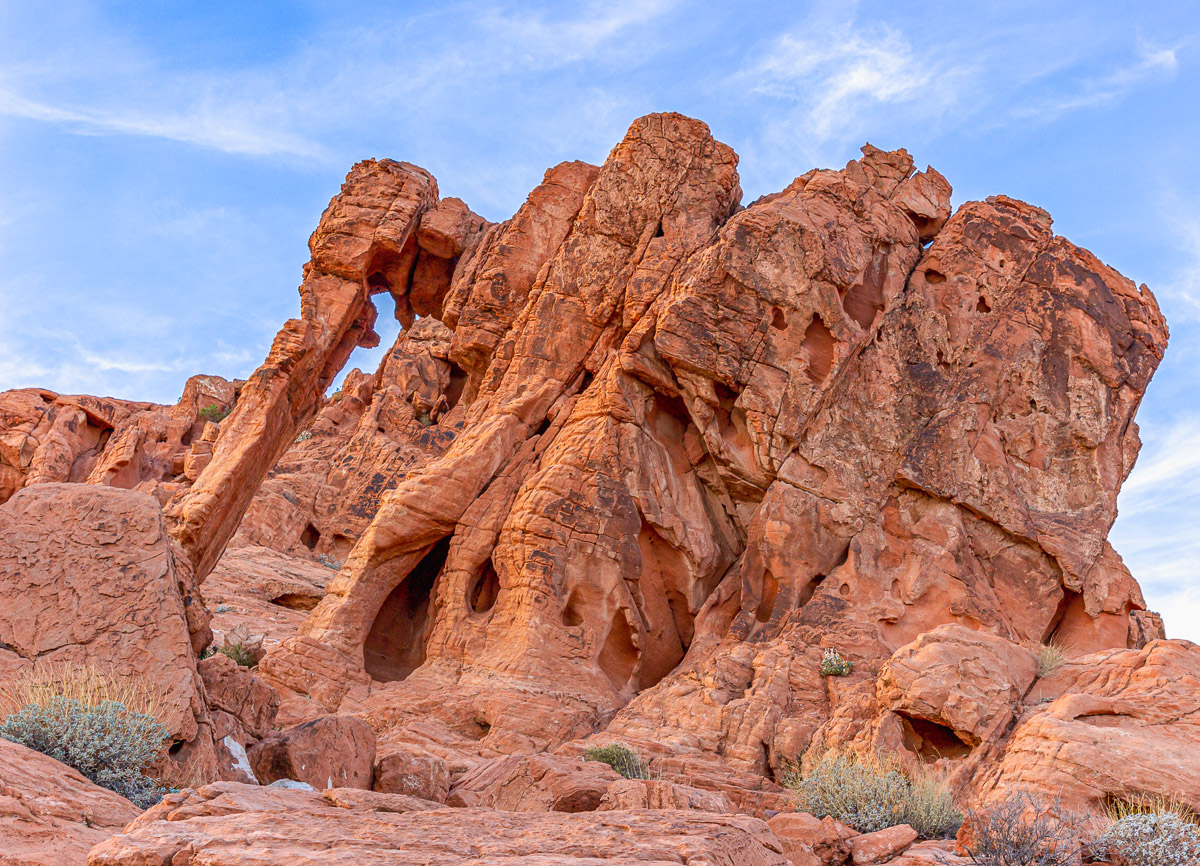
(90, 575)
(48, 437)
(706, 444)
(642, 455)
(1110, 726)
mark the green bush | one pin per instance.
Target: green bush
(621, 758)
(1156, 839)
(239, 653)
(870, 795)
(833, 665)
(214, 413)
(106, 742)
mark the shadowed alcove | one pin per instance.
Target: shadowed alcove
(395, 646)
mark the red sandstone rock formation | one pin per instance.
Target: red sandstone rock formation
(640, 456)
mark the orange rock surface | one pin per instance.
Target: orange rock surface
(640, 457)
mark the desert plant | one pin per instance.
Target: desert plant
(239, 653)
(1050, 657)
(214, 413)
(1018, 831)
(869, 795)
(90, 684)
(304, 436)
(1151, 839)
(101, 724)
(931, 810)
(833, 665)
(621, 758)
(1118, 808)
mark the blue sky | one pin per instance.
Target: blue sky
(163, 164)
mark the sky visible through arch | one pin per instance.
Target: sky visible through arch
(161, 165)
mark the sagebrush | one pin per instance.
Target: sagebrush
(106, 742)
(621, 758)
(1151, 839)
(869, 795)
(104, 725)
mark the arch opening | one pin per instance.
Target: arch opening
(395, 646)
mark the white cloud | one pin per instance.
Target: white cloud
(836, 76)
(1151, 63)
(204, 126)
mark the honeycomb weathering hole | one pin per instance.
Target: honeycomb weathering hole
(817, 349)
(395, 646)
(310, 536)
(484, 589)
(618, 656)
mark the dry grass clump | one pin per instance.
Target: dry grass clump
(870, 794)
(89, 684)
(1118, 808)
(1050, 657)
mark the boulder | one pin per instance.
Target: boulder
(882, 846)
(238, 825)
(89, 575)
(1113, 725)
(329, 752)
(535, 783)
(403, 771)
(965, 680)
(658, 794)
(811, 841)
(235, 690)
(50, 815)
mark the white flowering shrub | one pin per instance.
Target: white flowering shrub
(833, 665)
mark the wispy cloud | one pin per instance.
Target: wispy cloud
(204, 126)
(836, 76)
(291, 107)
(1156, 531)
(1151, 63)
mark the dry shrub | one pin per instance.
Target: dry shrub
(621, 758)
(870, 794)
(1050, 657)
(1018, 831)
